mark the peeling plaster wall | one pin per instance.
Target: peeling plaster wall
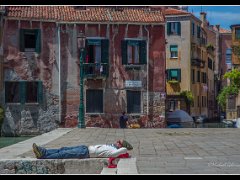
(34, 119)
(26, 119)
(114, 91)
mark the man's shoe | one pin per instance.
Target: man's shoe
(37, 151)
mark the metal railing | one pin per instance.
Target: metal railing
(95, 69)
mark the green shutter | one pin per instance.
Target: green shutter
(173, 48)
(22, 92)
(105, 55)
(179, 28)
(21, 40)
(84, 55)
(124, 51)
(143, 52)
(168, 28)
(179, 75)
(40, 92)
(38, 40)
(104, 50)
(168, 74)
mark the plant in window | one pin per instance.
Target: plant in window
(188, 96)
(173, 81)
(210, 47)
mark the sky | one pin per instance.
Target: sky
(223, 15)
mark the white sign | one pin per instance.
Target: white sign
(133, 84)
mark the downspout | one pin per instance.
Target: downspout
(147, 67)
(59, 68)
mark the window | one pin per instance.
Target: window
(134, 101)
(12, 92)
(193, 29)
(94, 101)
(210, 63)
(231, 102)
(228, 56)
(30, 40)
(199, 101)
(172, 106)
(173, 28)
(174, 74)
(237, 33)
(97, 55)
(193, 76)
(31, 91)
(198, 76)
(204, 77)
(173, 51)
(198, 31)
(23, 92)
(134, 52)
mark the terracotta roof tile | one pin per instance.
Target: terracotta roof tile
(171, 11)
(94, 14)
(221, 30)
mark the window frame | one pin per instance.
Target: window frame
(22, 88)
(86, 103)
(140, 101)
(22, 40)
(171, 47)
(142, 51)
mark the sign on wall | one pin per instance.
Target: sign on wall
(133, 84)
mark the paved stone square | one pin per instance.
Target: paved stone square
(166, 151)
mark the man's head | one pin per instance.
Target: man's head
(124, 143)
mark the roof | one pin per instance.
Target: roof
(85, 14)
(171, 11)
(234, 25)
(221, 30)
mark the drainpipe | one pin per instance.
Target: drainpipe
(147, 67)
(59, 68)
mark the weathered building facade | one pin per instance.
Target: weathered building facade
(186, 59)
(213, 51)
(124, 67)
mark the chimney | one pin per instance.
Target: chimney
(218, 27)
(203, 16)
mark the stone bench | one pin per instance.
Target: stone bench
(52, 166)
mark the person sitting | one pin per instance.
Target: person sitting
(82, 151)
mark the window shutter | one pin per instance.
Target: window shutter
(21, 40)
(179, 75)
(105, 55)
(22, 92)
(104, 50)
(124, 51)
(193, 26)
(38, 40)
(40, 92)
(143, 52)
(179, 28)
(168, 28)
(168, 74)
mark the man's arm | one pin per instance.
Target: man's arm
(117, 152)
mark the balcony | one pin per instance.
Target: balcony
(198, 62)
(95, 70)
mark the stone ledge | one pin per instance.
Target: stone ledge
(53, 166)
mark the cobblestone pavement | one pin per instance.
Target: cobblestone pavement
(168, 151)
